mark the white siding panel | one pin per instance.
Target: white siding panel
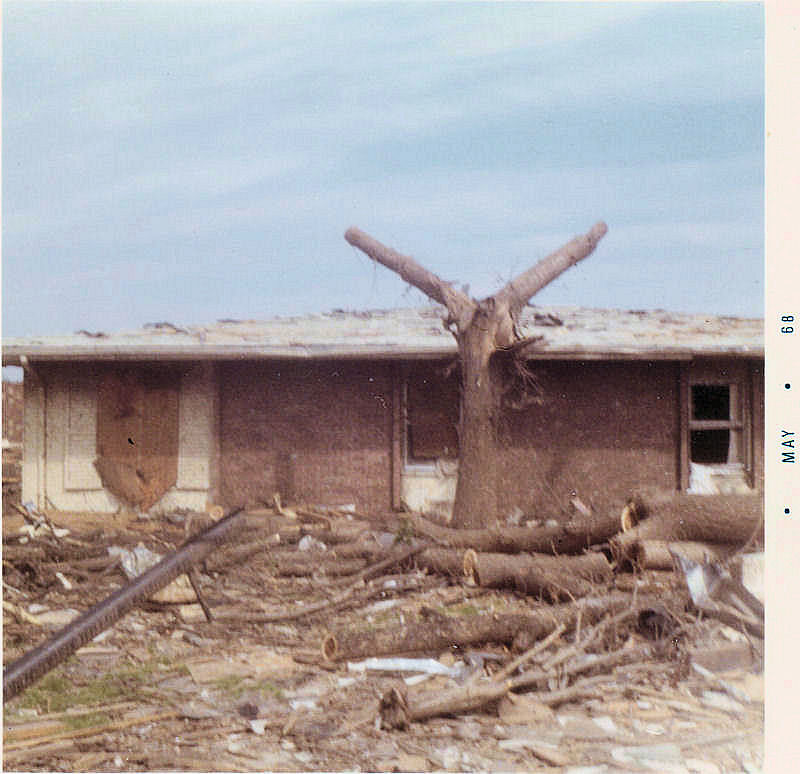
(33, 452)
(196, 431)
(81, 451)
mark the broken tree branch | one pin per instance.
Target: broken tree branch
(460, 307)
(462, 631)
(655, 554)
(399, 707)
(530, 654)
(517, 292)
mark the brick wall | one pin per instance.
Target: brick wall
(604, 431)
(321, 433)
(12, 411)
(315, 432)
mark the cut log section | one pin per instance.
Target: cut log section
(726, 519)
(655, 554)
(554, 577)
(444, 561)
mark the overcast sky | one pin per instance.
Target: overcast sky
(186, 162)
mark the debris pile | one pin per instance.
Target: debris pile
(320, 638)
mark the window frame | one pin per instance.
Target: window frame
(737, 376)
(410, 464)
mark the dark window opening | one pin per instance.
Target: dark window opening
(431, 415)
(711, 401)
(710, 446)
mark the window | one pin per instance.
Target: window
(715, 424)
(717, 438)
(431, 414)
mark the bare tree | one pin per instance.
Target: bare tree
(481, 329)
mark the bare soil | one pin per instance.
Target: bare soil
(164, 689)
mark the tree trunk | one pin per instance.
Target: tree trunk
(476, 488)
(481, 328)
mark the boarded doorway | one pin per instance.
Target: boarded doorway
(137, 432)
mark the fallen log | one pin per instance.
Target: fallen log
(655, 554)
(469, 630)
(308, 565)
(571, 537)
(727, 519)
(443, 561)
(555, 577)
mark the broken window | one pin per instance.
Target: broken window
(431, 413)
(715, 424)
(717, 438)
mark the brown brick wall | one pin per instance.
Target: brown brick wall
(604, 431)
(321, 433)
(315, 432)
(12, 411)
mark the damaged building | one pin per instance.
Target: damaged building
(362, 408)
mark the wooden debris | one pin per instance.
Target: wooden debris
(726, 519)
(571, 537)
(555, 577)
(140, 720)
(445, 561)
(399, 707)
(20, 613)
(655, 554)
(530, 654)
(460, 631)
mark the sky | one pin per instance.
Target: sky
(187, 162)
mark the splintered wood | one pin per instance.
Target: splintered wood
(323, 628)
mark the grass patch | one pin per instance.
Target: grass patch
(56, 692)
(77, 722)
(267, 688)
(232, 684)
(236, 685)
(460, 610)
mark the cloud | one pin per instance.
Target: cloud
(221, 138)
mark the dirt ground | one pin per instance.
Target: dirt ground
(165, 689)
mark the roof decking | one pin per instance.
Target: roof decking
(554, 333)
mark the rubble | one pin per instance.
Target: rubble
(425, 670)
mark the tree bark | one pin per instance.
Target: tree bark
(476, 487)
(482, 327)
(571, 537)
(470, 630)
(730, 519)
(444, 561)
(655, 554)
(554, 577)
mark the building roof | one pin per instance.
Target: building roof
(554, 332)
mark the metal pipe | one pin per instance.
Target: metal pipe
(36, 663)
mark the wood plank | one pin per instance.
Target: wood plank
(397, 437)
(683, 428)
